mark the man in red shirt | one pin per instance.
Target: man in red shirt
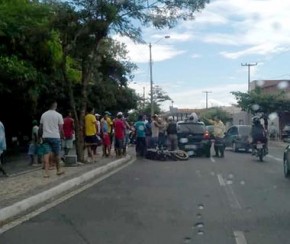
(68, 129)
(120, 127)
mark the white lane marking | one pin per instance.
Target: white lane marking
(44, 208)
(275, 158)
(221, 180)
(232, 198)
(212, 160)
(240, 237)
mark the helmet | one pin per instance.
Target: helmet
(256, 120)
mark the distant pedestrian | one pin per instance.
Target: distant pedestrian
(106, 138)
(51, 131)
(2, 147)
(155, 127)
(172, 139)
(68, 130)
(91, 140)
(33, 146)
(140, 137)
(119, 127)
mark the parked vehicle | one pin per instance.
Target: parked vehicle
(285, 133)
(260, 150)
(193, 138)
(238, 137)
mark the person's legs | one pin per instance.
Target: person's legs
(1, 167)
(56, 149)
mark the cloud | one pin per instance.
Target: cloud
(195, 98)
(257, 27)
(140, 53)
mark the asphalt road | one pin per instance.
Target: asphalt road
(234, 200)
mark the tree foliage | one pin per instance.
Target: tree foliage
(258, 102)
(212, 112)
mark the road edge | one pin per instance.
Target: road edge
(8, 213)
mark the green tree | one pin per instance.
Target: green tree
(212, 112)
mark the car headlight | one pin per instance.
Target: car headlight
(183, 140)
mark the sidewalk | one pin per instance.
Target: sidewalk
(26, 191)
(278, 143)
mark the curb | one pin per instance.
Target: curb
(10, 212)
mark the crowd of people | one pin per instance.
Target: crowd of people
(53, 136)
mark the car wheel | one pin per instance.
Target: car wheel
(286, 168)
(235, 148)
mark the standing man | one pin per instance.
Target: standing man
(51, 131)
(68, 129)
(120, 127)
(218, 132)
(91, 140)
(109, 121)
(2, 147)
(172, 134)
(140, 136)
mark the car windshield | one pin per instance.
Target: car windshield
(190, 128)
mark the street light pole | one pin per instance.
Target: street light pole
(151, 75)
(151, 80)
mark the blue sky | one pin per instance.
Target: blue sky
(206, 54)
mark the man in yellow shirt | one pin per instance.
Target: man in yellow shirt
(219, 133)
(90, 133)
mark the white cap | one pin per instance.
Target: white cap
(97, 115)
(170, 118)
(119, 113)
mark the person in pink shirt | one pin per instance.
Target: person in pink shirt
(119, 127)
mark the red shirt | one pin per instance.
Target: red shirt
(68, 127)
(119, 129)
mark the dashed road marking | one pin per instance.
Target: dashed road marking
(232, 198)
(240, 237)
(275, 158)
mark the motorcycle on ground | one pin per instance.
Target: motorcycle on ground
(259, 150)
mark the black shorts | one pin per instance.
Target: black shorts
(92, 140)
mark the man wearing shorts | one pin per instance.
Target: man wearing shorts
(51, 131)
(91, 139)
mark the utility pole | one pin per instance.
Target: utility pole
(206, 97)
(249, 72)
(151, 74)
(249, 80)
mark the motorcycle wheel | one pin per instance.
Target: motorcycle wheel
(180, 155)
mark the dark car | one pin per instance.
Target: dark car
(193, 138)
(238, 137)
(285, 133)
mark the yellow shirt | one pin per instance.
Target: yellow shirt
(110, 124)
(90, 125)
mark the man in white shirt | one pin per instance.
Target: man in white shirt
(51, 131)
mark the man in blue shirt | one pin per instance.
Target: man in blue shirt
(140, 136)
